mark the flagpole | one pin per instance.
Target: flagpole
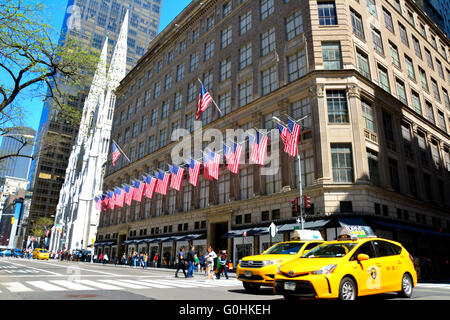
(211, 97)
(120, 149)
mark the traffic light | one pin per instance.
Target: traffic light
(295, 208)
(307, 202)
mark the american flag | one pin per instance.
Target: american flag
(206, 169)
(138, 190)
(104, 201)
(129, 191)
(233, 155)
(194, 170)
(163, 182)
(258, 146)
(98, 203)
(204, 99)
(119, 195)
(177, 177)
(111, 202)
(214, 164)
(115, 153)
(294, 130)
(150, 184)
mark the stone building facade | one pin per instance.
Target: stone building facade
(374, 147)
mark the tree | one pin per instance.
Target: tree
(34, 63)
(40, 226)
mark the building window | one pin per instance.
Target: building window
(301, 108)
(435, 88)
(168, 82)
(416, 46)
(383, 78)
(363, 64)
(266, 8)
(246, 183)
(429, 112)
(210, 22)
(269, 80)
(187, 196)
(345, 206)
(296, 65)
(403, 34)
(165, 110)
(429, 59)
(226, 9)
(367, 113)
(225, 102)
(416, 102)
(177, 101)
(393, 174)
(191, 92)
(162, 137)
(337, 106)
(245, 90)
(294, 25)
(189, 122)
(224, 189)
(204, 194)
(195, 35)
(307, 164)
(245, 22)
(180, 72)
(209, 50)
(151, 144)
(245, 56)
(342, 164)
(377, 42)
(411, 172)
(226, 37)
(374, 173)
(357, 24)
(157, 90)
(327, 13)
(388, 129)
(267, 41)
(273, 183)
(388, 20)
(423, 79)
(331, 54)
(372, 7)
(394, 55)
(401, 91)
(193, 64)
(225, 69)
(410, 68)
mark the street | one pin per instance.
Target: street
(23, 279)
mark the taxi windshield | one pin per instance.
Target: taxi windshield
(333, 250)
(43, 251)
(285, 248)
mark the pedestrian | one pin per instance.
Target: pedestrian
(145, 260)
(135, 259)
(141, 260)
(155, 260)
(105, 258)
(181, 263)
(201, 261)
(124, 259)
(116, 260)
(223, 262)
(196, 260)
(100, 258)
(191, 260)
(210, 256)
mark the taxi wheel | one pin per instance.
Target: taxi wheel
(251, 287)
(347, 289)
(407, 286)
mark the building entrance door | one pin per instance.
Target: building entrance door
(217, 231)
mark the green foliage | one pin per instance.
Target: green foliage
(38, 229)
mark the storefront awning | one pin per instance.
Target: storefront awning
(101, 244)
(191, 237)
(410, 228)
(235, 233)
(308, 225)
(351, 222)
(129, 241)
(256, 231)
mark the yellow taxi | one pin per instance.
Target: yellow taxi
(259, 270)
(41, 254)
(348, 268)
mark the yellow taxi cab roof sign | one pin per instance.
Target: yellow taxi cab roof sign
(355, 232)
(307, 235)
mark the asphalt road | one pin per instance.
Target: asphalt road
(23, 279)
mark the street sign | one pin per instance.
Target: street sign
(273, 229)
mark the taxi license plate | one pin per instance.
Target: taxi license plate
(248, 273)
(289, 286)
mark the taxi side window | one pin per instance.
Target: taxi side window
(366, 248)
(312, 245)
(386, 249)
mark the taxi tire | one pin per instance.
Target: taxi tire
(347, 285)
(407, 286)
(251, 287)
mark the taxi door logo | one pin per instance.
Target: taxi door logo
(374, 277)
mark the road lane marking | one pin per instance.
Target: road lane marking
(74, 267)
(71, 285)
(16, 287)
(123, 284)
(178, 284)
(42, 270)
(44, 285)
(98, 285)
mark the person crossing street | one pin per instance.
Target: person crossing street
(191, 261)
(181, 263)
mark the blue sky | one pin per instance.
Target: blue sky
(54, 13)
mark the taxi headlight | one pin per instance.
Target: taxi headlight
(269, 262)
(326, 270)
(239, 262)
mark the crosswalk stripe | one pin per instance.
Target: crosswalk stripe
(191, 282)
(173, 283)
(98, 285)
(16, 287)
(71, 285)
(151, 283)
(44, 285)
(121, 283)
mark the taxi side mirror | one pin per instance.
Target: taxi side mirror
(362, 257)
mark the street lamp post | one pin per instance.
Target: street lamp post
(300, 186)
